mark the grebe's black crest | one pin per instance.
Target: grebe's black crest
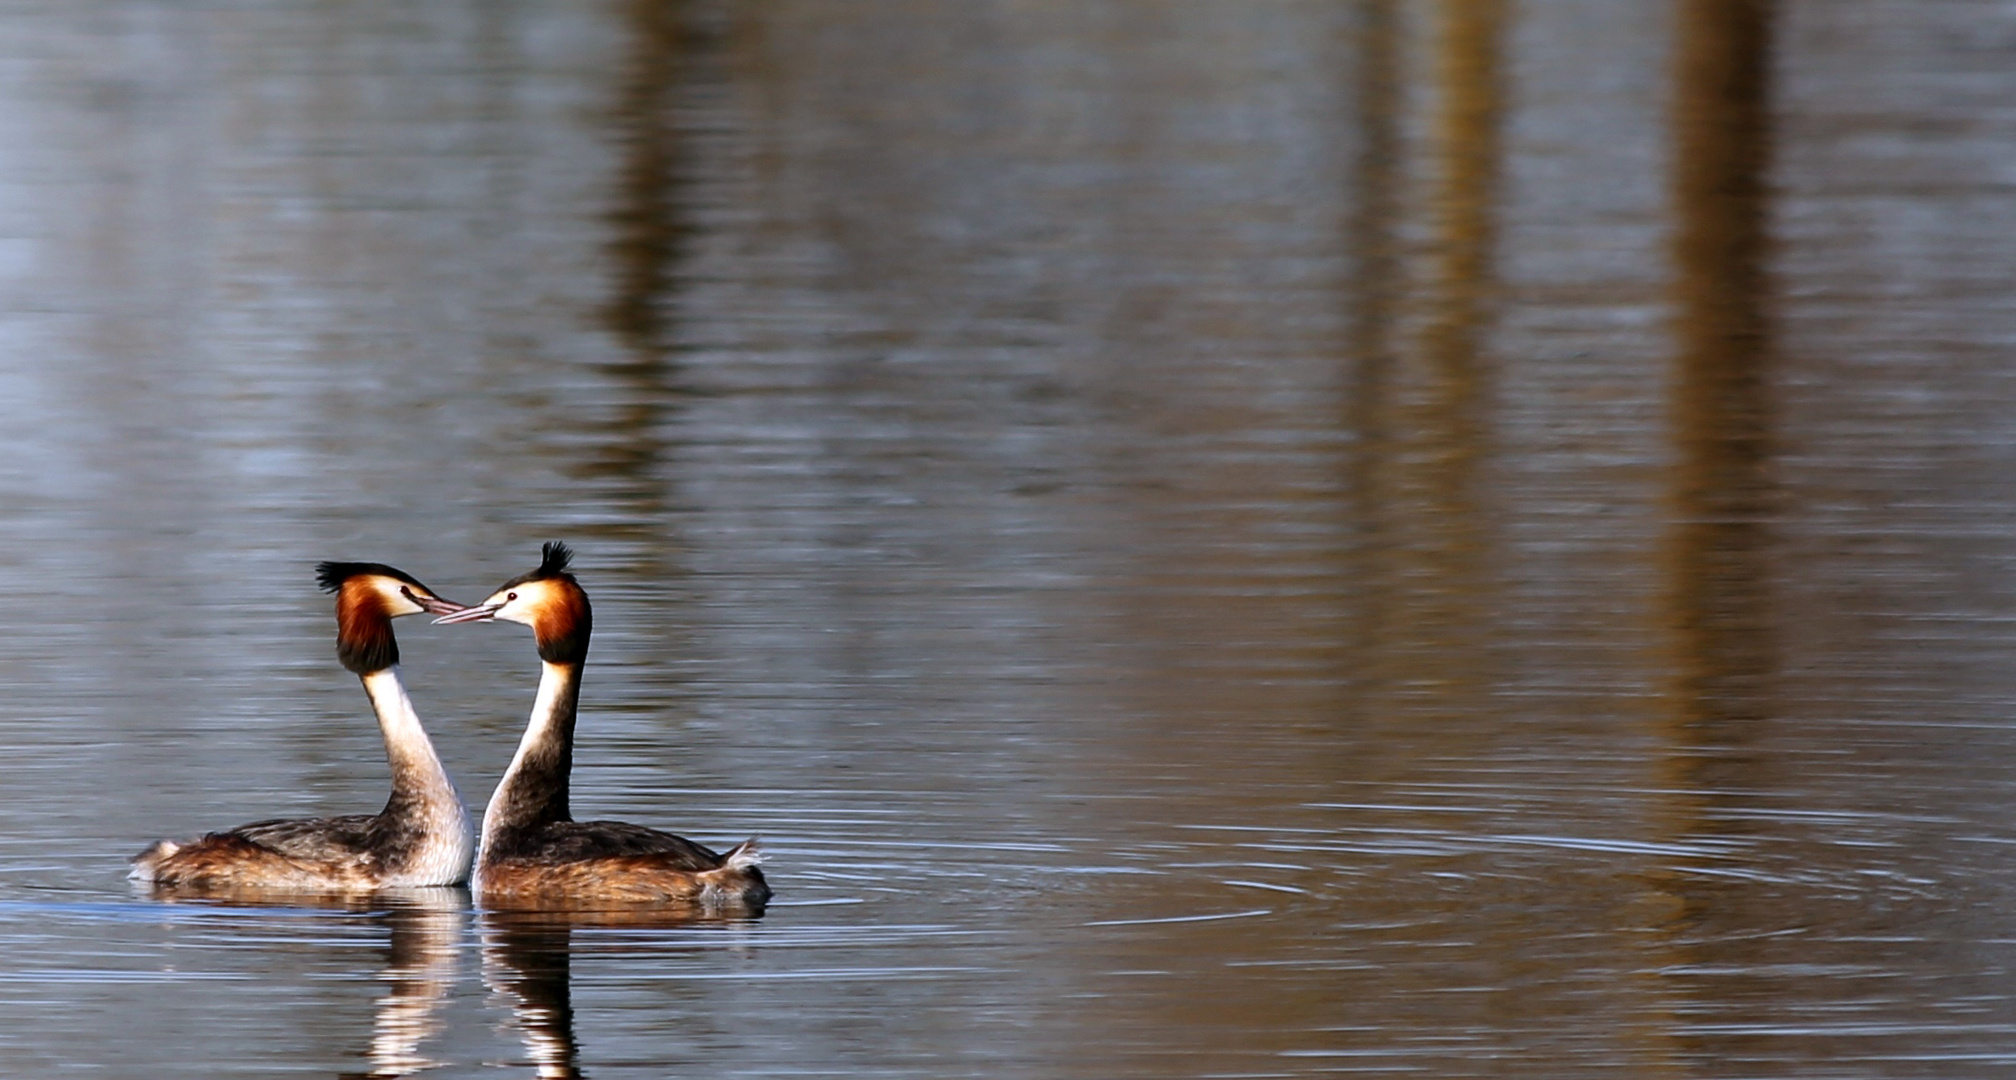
(332, 575)
(554, 558)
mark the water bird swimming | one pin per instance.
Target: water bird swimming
(421, 838)
(532, 850)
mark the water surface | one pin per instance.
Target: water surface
(1277, 540)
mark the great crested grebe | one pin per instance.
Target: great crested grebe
(532, 850)
(422, 837)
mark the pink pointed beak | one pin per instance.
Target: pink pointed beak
(460, 614)
(433, 605)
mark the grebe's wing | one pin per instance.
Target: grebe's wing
(574, 840)
(319, 839)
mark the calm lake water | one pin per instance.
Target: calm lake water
(1279, 539)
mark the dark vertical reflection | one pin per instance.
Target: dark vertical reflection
(1375, 287)
(1722, 412)
(1466, 196)
(422, 969)
(1720, 592)
(1419, 344)
(1446, 426)
(650, 232)
(526, 959)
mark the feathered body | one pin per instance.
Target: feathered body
(421, 838)
(532, 850)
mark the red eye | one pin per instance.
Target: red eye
(508, 597)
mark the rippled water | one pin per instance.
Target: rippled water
(1458, 538)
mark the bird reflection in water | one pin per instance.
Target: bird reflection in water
(426, 927)
(526, 958)
(422, 968)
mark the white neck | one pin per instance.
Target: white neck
(536, 782)
(420, 787)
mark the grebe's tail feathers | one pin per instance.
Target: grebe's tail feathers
(737, 881)
(742, 856)
(147, 862)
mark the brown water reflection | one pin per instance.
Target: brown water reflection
(1723, 481)
(1209, 539)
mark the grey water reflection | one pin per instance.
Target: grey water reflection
(422, 968)
(345, 985)
(528, 961)
(424, 930)
(1460, 538)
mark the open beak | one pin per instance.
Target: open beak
(459, 614)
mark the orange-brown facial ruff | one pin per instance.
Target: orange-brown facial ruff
(552, 603)
(364, 611)
(561, 619)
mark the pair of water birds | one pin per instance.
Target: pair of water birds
(531, 851)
